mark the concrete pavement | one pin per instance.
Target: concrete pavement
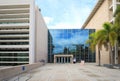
(74, 72)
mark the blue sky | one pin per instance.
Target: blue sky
(69, 14)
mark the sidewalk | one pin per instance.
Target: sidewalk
(74, 72)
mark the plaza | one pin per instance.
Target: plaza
(44, 54)
(71, 72)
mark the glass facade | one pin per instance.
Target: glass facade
(70, 41)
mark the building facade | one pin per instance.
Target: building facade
(65, 42)
(103, 12)
(23, 33)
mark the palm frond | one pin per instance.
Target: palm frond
(107, 26)
(113, 38)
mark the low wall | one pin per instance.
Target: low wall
(16, 70)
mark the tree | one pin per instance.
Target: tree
(107, 37)
(93, 42)
(117, 22)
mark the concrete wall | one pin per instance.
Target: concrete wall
(41, 37)
(96, 22)
(7, 73)
(104, 56)
(101, 16)
(32, 33)
(14, 2)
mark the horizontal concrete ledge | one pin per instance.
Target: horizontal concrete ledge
(7, 73)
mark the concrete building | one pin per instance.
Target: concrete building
(103, 12)
(23, 33)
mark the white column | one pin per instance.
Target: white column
(54, 59)
(65, 59)
(32, 33)
(61, 59)
(58, 59)
(116, 49)
(71, 59)
(114, 5)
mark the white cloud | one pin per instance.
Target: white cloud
(64, 25)
(72, 19)
(71, 16)
(48, 20)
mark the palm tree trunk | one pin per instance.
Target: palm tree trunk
(99, 57)
(111, 54)
(116, 53)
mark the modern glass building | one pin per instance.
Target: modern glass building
(70, 41)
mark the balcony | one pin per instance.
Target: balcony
(14, 46)
(15, 52)
(14, 36)
(16, 31)
(118, 3)
(14, 11)
(14, 57)
(22, 25)
(112, 20)
(14, 40)
(118, 0)
(14, 62)
(15, 21)
(110, 5)
(14, 6)
(20, 15)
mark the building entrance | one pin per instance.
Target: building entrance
(63, 58)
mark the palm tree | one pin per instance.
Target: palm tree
(93, 42)
(116, 25)
(107, 37)
(117, 22)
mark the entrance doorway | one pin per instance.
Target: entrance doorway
(63, 58)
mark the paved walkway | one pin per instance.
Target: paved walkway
(74, 72)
